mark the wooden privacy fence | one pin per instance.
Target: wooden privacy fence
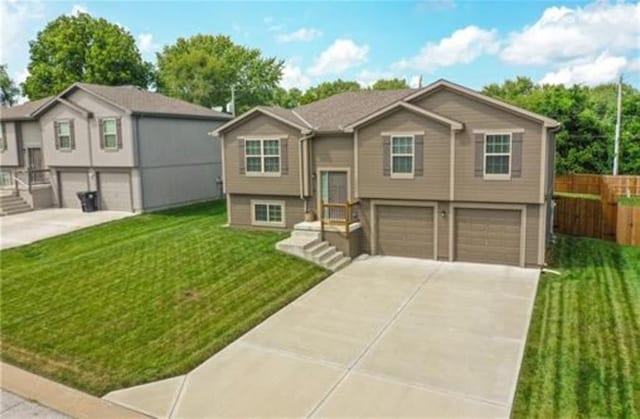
(578, 216)
(628, 225)
(581, 216)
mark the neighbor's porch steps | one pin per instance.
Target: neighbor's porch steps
(12, 204)
(308, 245)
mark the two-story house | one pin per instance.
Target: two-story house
(140, 150)
(440, 172)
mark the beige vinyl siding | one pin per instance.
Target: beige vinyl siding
(481, 116)
(364, 213)
(533, 226)
(240, 209)
(330, 152)
(443, 230)
(261, 125)
(9, 157)
(433, 185)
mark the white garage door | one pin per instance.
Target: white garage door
(115, 191)
(70, 184)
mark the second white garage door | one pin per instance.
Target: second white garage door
(115, 191)
(70, 184)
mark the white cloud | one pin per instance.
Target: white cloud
(563, 34)
(293, 76)
(146, 43)
(77, 9)
(301, 35)
(19, 77)
(342, 55)
(368, 77)
(604, 69)
(462, 47)
(15, 26)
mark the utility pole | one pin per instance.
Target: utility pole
(233, 100)
(616, 141)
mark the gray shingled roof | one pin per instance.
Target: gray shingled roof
(141, 101)
(23, 111)
(338, 111)
(286, 114)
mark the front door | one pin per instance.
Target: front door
(34, 156)
(334, 190)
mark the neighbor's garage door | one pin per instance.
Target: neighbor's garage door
(487, 235)
(70, 184)
(405, 231)
(115, 191)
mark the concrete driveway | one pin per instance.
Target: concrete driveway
(29, 227)
(386, 336)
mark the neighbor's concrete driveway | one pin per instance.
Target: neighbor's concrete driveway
(28, 227)
(384, 337)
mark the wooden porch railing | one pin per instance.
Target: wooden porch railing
(338, 214)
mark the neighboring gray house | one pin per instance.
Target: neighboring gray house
(442, 172)
(140, 150)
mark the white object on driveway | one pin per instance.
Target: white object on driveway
(386, 336)
(29, 227)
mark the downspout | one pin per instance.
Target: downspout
(302, 158)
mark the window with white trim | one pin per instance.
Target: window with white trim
(64, 135)
(268, 213)
(402, 155)
(262, 156)
(109, 134)
(497, 155)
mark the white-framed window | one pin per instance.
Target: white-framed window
(64, 135)
(109, 134)
(402, 156)
(262, 156)
(497, 155)
(268, 213)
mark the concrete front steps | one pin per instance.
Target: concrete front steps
(12, 204)
(308, 245)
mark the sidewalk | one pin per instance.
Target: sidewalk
(55, 396)
(13, 406)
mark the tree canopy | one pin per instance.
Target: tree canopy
(9, 92)
(203, 68)
(83, 48)
(329, 88)
(587, 114)
(389, 84)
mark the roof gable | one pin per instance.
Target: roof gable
(456, 125)
(445, 84)
(285, 116)
(133, 100)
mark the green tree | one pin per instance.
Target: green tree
(202, 69)
(8, 90)
(587, 114)
(390, 84)
(329, 88)
(83, 48)
(287, 98)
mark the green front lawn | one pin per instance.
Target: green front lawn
(140, 299)
(583, 351)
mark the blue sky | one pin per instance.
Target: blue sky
(469, 42)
